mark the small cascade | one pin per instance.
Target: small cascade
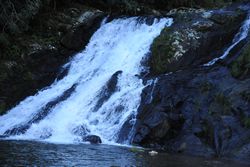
(100, 92)
(241, 35)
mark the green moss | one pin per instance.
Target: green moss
(197, 105)
(14, 50)
(136, 149)
(2, 108)
(4, 40)
(246, 122)
(162, 51)
(224, 102)
(206, 87)
(131, 6)
(241, 66)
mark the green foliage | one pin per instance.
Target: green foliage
(130, 6)
(15, 15)
(206, 87)
(221, 105)
(246, 122)
(4, 40)
(2, 108)
(224, 102)
(44, 41)
(162, 52)
(13, 52)
(241, 66)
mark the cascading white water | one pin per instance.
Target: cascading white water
(120, 45)
(241, 35)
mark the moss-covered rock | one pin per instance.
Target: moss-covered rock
(196, 37)
(146, 7)
(31, 59)
(240, 68)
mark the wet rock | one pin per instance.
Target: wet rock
(93, 139)
(190, 144)
(79, 35)
(107, 90)
(190, 41)
(148, 7)
(154, 125)
(206, 110)
(3, 136)
(240, 67)
(81, 130)
(243, 154)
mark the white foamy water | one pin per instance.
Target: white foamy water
(241, 35)
(120, 45)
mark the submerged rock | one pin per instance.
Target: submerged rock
(93, 139)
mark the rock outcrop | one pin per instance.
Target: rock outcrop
(196, 37)
(31, 58)
(139, 7)
(189, 108)
(93, 139)
(195, 109)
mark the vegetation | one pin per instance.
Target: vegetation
(206, 87)
(162, 52)
(246, 122)
(241, 66)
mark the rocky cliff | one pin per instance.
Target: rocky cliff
(190, 108)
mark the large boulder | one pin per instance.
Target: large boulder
(196, 37)
(202, 111)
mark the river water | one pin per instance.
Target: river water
(30, 153)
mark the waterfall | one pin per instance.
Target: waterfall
(241, 35)
(99, 94)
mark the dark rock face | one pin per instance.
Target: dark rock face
(240, 67)
(201, 109)
(93, 139)
(195, 109)
(79, 36)
(190, 41)
(149, 7)
(207, 111)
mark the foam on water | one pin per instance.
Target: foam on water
(120, 45)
